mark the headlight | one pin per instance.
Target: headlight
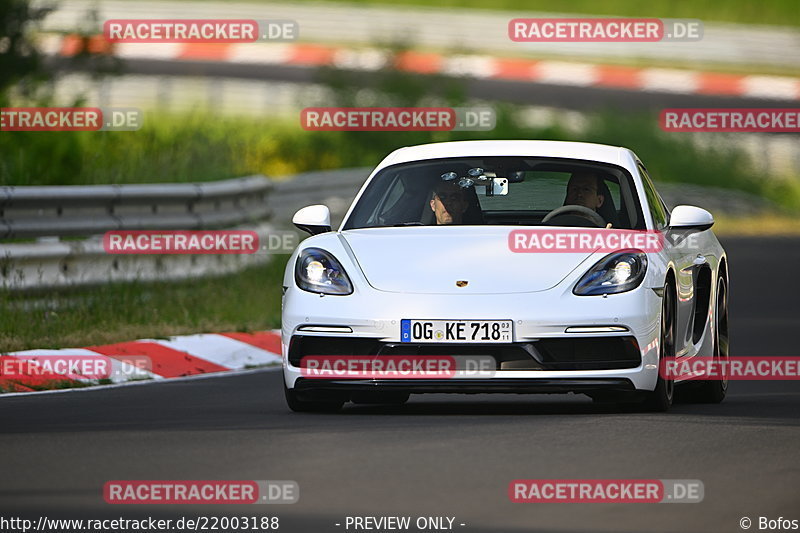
(317, 271)
(615, 273)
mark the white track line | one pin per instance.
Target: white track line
(220, 350)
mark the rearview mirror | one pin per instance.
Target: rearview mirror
(314, 219)
(495, 186)
(690, 217)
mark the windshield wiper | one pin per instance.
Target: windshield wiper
(408, 224)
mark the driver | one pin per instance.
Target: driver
(582, 189)
(449, 203)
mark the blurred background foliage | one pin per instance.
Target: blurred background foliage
(205, 147)
(202, 146)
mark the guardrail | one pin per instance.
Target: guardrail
(64, 211)
(334, 188)
(50, 262)
(49, 213)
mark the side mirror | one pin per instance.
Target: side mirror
(690, 217)
(314, 219)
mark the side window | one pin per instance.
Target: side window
(394, 195)
(389, 207)
(613, 188)
(654, 203)
(373, 202)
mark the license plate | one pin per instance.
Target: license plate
(483, 331)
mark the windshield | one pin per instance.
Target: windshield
(512, 191)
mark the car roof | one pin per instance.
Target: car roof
(601, 153)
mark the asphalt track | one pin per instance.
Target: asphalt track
(438, 455)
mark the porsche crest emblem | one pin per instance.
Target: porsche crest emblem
(462, 283)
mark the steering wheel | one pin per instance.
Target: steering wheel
(579, 210)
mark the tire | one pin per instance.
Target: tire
(303, 405)
(660, 399)
(379, 398)
(714, 390)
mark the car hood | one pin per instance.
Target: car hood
(431, 259)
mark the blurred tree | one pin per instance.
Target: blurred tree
(21, 63)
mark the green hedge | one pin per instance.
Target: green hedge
(182, 148)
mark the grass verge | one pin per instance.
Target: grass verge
(772, 225)
(247, 301)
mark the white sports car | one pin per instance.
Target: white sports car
(516, 251)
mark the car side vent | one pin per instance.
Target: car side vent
(702, 299)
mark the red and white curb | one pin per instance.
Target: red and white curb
(472, 66)
(180, 356)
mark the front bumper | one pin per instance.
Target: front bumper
(468, 386)
(550, 354)
(372, 319)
